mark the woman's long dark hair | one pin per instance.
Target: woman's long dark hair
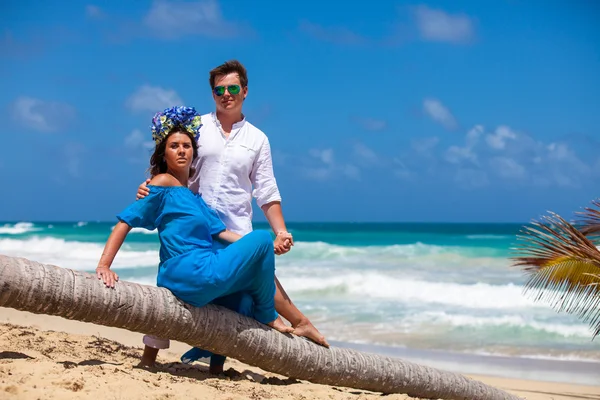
(158, 164)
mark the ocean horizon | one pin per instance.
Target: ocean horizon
(413, 287)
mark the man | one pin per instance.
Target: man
(234, 164)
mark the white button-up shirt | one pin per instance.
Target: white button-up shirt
(227, 171)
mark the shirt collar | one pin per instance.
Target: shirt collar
(238, 124)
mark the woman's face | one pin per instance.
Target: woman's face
(179, 152)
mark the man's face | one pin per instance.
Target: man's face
(225, 100)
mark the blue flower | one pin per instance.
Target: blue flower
(186, 117)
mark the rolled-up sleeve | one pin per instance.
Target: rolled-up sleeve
(265, 188)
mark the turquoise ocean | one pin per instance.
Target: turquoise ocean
(446, 288)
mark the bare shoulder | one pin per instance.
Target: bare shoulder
(164, 180)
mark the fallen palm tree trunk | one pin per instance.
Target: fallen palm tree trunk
(45, 289)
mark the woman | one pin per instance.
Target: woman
(187, 227)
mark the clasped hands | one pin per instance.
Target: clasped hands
(283, 242)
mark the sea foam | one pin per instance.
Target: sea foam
(18, 228)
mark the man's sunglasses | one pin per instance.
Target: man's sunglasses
(232, 89)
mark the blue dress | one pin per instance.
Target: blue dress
(189, 267)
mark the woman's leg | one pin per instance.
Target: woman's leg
(301, 324)
(249, 265)
(257, 245)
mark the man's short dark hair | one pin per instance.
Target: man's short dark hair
(227, 68)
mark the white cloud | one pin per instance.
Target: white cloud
(402, 171)
(136, 139)
(174, 19)
(351, 171)
(437, 25)
(521, 158)
(317, 173)
(94, 12)
(138, 147)
(439, 113)
(366, 154)
(322, 166)
(153, 98)
(498, 139)
(425, 146)
(41, 115)
(458, 154)
(508, 168)
(473, 135)
(471, 178)
(325, 155)
(566, 168)
(559, 152)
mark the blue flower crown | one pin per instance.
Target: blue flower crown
(164, 121)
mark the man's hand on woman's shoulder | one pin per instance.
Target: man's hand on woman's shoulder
(143, 190)
(158, 180)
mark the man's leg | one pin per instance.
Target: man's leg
(151, 348)
(241, 303)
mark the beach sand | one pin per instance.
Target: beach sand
(46, 357)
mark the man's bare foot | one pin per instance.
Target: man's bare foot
(149, 357)
(307, 329)
(280, 326)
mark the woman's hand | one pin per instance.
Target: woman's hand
(283, 243)
(108, 277)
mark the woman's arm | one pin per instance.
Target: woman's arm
(228, 236)
(113, 244)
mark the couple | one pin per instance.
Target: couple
(205, 170)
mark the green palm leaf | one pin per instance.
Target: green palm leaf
(563, 267)
(589, 222)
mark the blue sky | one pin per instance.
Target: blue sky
(400, 111)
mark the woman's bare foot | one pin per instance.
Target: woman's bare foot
(307, 329)
(280, 326)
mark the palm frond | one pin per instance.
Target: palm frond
(589, 221)
(563, 267)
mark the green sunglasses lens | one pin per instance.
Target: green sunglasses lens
(233, 89)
